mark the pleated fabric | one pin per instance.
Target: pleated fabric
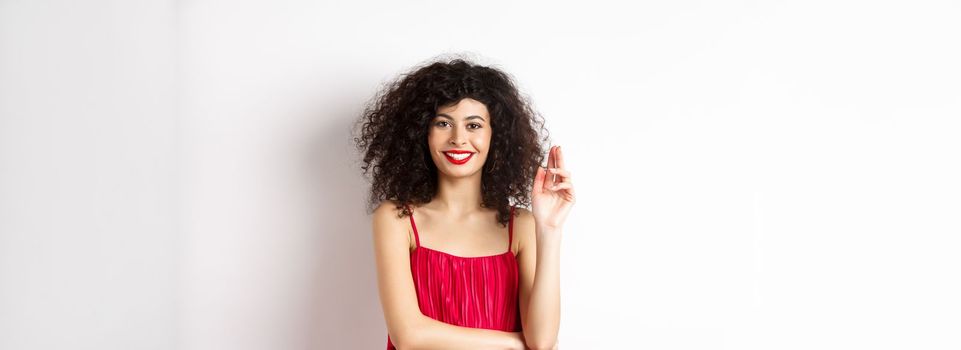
(477, 292)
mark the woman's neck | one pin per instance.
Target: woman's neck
(458, 196)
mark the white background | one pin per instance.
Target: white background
(750, 174)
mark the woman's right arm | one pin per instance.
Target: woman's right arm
(407, 326)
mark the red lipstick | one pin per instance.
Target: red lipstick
(458, 161)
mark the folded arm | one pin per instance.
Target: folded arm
(426, 333)
(407, 326)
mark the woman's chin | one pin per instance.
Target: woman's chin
(459, 172)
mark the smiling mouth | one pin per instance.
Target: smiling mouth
(458, 158)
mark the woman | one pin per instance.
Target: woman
(450, 146)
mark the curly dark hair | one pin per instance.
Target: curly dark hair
(396, 121)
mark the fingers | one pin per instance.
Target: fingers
(565, 190)
(563, 176)
(559, 158)
(550, 157)
(539, 178)
(553, 177)
(549, 178)
(561, 172)
(564, 179)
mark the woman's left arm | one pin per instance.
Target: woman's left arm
(540, 298)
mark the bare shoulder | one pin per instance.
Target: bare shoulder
(524, 228)
(388, 223)
(523, 214)
(387, 208)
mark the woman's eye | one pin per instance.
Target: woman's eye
(444, 123)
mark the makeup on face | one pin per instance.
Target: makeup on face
(458, 157)
(459, 132)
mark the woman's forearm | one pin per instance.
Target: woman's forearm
(431, 334)
(544, 307)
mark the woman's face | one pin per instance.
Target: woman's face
(464, 126)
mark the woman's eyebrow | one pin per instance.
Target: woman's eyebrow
(468, 118)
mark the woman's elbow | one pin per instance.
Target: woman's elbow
(549, 344)
(404, 341)
(405, 338)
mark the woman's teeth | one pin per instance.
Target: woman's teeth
(458, 156)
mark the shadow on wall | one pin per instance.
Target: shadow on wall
(344, 306)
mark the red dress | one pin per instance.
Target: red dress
(477, 292)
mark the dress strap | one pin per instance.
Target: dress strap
(413, 225)
(510, 230)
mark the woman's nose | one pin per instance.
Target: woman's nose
(456, 137)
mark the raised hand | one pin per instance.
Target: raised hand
(553, 193)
